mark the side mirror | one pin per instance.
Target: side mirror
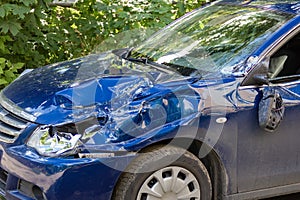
(270, 110)
(261, 79)
(258, 75)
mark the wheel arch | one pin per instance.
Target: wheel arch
(211, 161)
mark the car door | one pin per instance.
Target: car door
(268, 159)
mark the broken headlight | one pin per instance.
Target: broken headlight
(50, 142)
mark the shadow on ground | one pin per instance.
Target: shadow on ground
(286, 197)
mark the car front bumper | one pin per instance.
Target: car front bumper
(26, 175)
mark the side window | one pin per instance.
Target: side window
(286, 61)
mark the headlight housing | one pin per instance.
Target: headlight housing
(50, 142)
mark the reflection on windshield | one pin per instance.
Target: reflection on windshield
(212, 38)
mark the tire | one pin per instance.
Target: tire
(167, 173)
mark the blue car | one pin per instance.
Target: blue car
(204, 109)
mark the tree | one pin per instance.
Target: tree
(34, 33)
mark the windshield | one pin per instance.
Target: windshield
(210, 39)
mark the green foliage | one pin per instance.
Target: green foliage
(8, 71)
(35, 32)
(82, 29)
(22, 41)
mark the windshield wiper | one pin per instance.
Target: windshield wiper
(147, 61)
(165, 67)
(127, 53)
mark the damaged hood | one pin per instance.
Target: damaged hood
(111, 102)
(71, 91)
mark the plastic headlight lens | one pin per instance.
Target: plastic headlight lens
(50, 142)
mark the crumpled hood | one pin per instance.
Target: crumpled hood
(69, 91)
(108, 100)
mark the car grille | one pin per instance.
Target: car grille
(3, 179)
(11, 126)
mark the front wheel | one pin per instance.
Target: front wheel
(164, 173)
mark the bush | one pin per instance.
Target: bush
(36, 32)
(22, 37)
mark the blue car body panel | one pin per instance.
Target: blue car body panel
(77, 179)
(276, 5)
(187, 108)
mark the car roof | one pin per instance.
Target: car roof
(288, 6)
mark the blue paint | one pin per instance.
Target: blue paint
(135, 105)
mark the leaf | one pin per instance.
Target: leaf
(12, 26)
(2, 12)
(9, 74)
(2, 60)
(7, 7)
(29, 2)
(18, 65)
(181, 7)
(2, 46)
(3, 81)
(20, 11)
(8, 63)
(7, 38)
